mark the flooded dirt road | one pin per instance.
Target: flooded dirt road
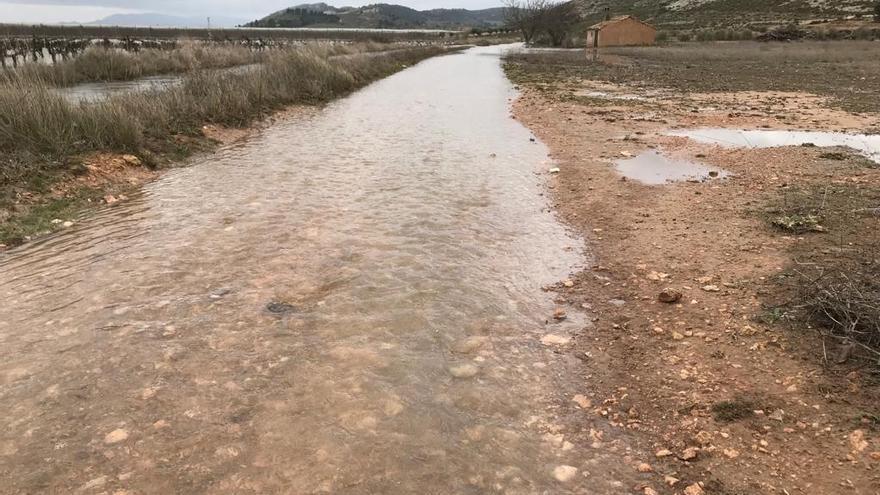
(349, 302)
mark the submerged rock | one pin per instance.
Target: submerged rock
(279, 308)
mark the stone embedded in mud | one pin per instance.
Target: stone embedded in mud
(116, 436)
(470, 344)
(279, 308)
(464, 371)
(564, 473)
(559, 314)
(669, 296)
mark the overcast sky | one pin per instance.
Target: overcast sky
(49, 11)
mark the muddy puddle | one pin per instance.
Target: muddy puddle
(654, 168)
(866, 145)
(349, 302)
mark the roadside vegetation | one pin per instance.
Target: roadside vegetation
(43, 137)
(100, 64)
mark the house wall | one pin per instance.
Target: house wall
(591, 39)
(627, 32)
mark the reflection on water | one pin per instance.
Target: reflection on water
(867, 145)
(654, 168)
(348, 303)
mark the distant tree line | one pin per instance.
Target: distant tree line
(542, 20)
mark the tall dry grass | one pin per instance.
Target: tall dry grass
(34, 120)
(98, 64)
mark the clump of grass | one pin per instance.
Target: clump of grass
(798, 224)
(736, 409)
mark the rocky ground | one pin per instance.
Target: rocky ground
(689, 349)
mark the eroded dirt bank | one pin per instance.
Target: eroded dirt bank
(729, 401)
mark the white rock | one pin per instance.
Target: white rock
(116, 436)
(565, 473)
(464, 371)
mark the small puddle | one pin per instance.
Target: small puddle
(654, 168)
(866, 145)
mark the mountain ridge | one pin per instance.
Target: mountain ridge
(380, 15)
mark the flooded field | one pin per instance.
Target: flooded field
(98, 91)
(348, 303)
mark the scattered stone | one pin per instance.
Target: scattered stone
(564, 473)
(555, 170)
(669, 296)
(582, 401)
(95, 483)
(116, 436)
(132, 160)
(857, 441)
(711, 288)
(731, 453)
(657, 276)
(703, 437)
(67, 224)
(694, 489)
(559, 314)
(777, 415)
(551, 339)
(650, 491)
(464, 371)
(568, 283)
(663, 453)
(671, 480)
(644, 467)
(689, 454)
(110, 199)
(677, 336)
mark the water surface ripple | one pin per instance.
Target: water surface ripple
(401, 235)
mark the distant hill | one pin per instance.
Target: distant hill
(724, 13)
(380, 16)
(162, 20)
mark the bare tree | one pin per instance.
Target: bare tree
(526, 16)
(558, 20)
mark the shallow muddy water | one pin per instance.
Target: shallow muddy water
(866, 145)
(99, 91)
(654, 168)
(349, 302)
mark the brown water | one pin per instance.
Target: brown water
(654, 168)
(348, 303)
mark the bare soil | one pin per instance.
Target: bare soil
(734, 396)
